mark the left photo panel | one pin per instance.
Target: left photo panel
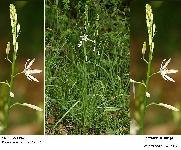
(21, 67)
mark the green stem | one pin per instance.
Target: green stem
(146, 89)
(7, 104)
(15, 29)
(85, 52)
(6, 83)
(85, 100)
(154, 73)
(84, 85)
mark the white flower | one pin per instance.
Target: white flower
(164, 71)
(84, 38)
(11, 94)
(147, 94)
(28, 72)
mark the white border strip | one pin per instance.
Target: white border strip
(101, 142)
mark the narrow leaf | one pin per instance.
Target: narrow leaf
(168, 106)
(32, 106)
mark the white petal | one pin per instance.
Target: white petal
(32, 106)
(26, 63)
(27, 75)
(35, 71)
(162, 63)
(168, 106)
(171, 71)
(32, 78)
(164, 71)
(167, 62)
(164, 77)
(30, 64)
(169, 78)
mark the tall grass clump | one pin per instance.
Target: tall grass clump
(7, 87)
(143, 99)
(87, 67)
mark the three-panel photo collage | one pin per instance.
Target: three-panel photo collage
(90, 67)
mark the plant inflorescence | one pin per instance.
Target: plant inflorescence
(142, 102)
(9, 99)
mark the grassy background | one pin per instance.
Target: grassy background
(87, 96)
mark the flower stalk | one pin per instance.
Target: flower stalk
(143, 101)
(8, 103)
(151, 34)
(15, 32)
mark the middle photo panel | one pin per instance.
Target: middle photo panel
(87, 67)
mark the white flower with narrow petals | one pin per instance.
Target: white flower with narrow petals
(29, 72)
(164, 71)
(85, 39)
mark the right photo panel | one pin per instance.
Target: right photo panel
(87, 67)
(155, 67)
